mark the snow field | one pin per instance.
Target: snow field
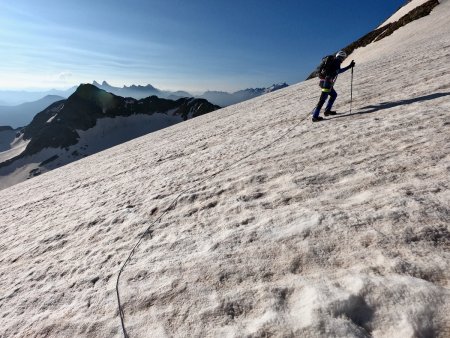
(341, 228)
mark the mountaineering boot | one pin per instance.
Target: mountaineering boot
(317, 119)
(329, 112)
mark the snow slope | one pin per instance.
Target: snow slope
(338, 228)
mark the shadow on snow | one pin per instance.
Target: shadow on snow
(387, 105)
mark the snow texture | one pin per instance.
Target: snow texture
(331, 229)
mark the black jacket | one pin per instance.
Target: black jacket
(332, 72)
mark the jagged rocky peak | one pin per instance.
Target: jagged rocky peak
(139, 87)
(105, 86)
(277, 86)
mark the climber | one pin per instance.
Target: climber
(328, 72)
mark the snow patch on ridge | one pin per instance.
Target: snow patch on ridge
(403, 11)
(12, 146)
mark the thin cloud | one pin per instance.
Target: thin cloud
(64, 76)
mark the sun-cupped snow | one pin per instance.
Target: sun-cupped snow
(285, 227)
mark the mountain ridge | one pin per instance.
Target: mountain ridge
(220, 98)
(58, 126)
(135, 91)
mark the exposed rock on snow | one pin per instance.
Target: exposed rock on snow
(339, 228)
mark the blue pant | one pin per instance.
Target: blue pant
(323, 98)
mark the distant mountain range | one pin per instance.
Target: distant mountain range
(17, 97)
(221, 98)
(21, 115)
(139, 92)
(17, 108)
(226, 99)
(89, 121)
(216, 97)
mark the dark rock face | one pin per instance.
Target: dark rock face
(42, 133)
(55, 127)
(386, 30)
(51, 137)
(193, 107)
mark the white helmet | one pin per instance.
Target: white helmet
(341, 55)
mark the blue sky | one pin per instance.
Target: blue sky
(190, 45)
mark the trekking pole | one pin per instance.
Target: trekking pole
(351, 92)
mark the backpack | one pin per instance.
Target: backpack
(325, 65)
